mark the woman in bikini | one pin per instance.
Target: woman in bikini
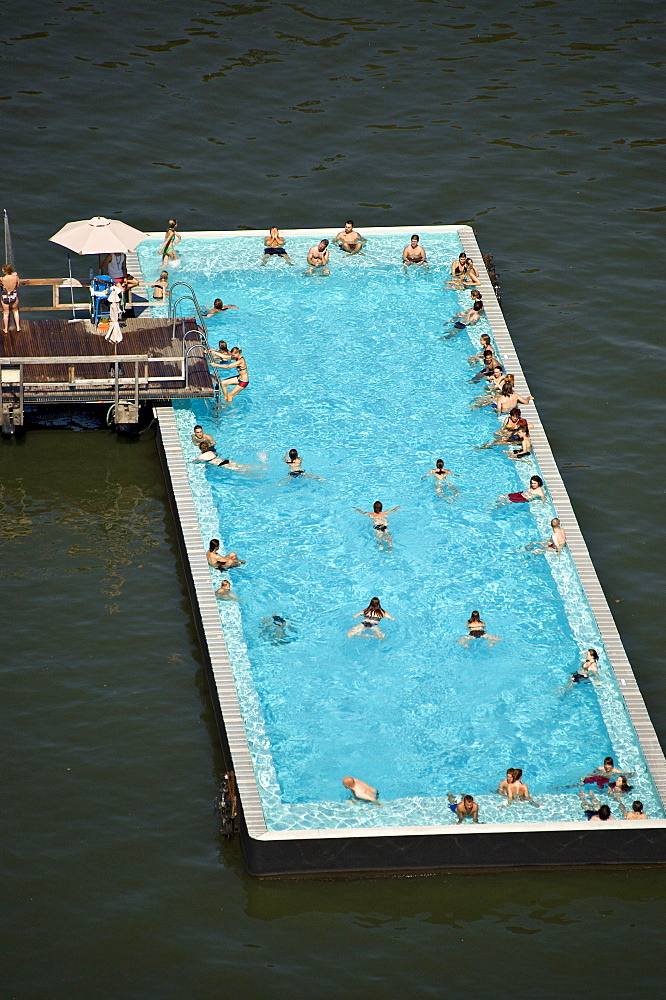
(477, 630)
(9, 284)
(440, 474)
(239, 381)
(171, 239)
(534, 492)
(372, 615)
(524, 441)
(160, 286)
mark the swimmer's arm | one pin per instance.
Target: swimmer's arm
(232, 364)
(393, 509)
(359, 615)
(519, 399)
(364, 512)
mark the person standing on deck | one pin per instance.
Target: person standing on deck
(9, 284)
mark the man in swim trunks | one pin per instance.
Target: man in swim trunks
(468, 318)
(349, 240)
(464, 809)
(379, 518)
(414, 253)
(218, 307)
(318, 258)
(274, 246)
(198, 437)
(555, 543)
(602, 775)
(361, 790)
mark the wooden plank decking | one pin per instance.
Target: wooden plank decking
(57, 338)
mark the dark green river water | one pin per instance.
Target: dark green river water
(540, 124)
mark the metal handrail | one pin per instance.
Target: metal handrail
(171, 312)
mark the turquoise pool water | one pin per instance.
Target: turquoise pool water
(350, 370)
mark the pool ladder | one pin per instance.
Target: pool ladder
(200, 331)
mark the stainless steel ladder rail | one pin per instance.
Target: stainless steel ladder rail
(203, 344)
(173, 306)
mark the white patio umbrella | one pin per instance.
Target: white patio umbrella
(98, 235)
(114, 333)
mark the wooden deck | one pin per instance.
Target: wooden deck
(61, 382)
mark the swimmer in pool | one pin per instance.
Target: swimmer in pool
(318, 258)
(587, 671)
(372, 615)
(222, 353)
(223, 593)
(217, 561)
(440, 474)
(277, 629)
(502, 788)
(518, 791)
(361, 790)
(554, 544)
(349, 240)
(467, 808)
(469, 318)
(379, 518)
(603, 774)
(508, 432)
(208, 454)
(524, 449)
(477, 630)
(534, 492)
(485, 342)
(636, 811)
(414, 253)
(160, 286)
(218, 307)
(274, 247)
(294, 461)
(199, 438)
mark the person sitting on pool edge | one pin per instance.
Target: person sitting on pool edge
(349, 240)
(230, 561)
(274, 246)
(379, 517)
(218, 307)
(465, 809)
(361, 790)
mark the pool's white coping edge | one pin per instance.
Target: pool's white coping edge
(217, 648)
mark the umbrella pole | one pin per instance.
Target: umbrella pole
(71, 288)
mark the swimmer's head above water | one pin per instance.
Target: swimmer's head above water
(378, 507)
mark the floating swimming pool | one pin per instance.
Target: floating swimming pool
(350, 370)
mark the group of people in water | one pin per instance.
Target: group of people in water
(501, 396)
(606, 777)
